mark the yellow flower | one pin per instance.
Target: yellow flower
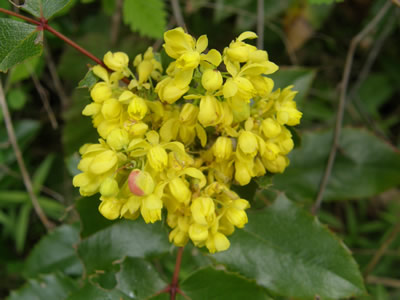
(109, 187)
(222, 148)
(137, 108)
(210, 111)
(211, 80)
(217, 242)
(110, 209)
(203, 210)
(117, 61)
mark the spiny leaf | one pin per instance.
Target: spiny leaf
(19, 41)
(44, 8)
(287, 251)
(145, 16)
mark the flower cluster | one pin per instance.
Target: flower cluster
(179, 140)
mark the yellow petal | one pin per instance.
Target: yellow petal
(247, 35)
(213, 56)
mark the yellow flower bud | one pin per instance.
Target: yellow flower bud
(278, 165)
(137, 108)
(247, 143)
(203, 210)
(109, 187)
(288, 114)
(110, 209)
(242, 173)
(126, 97)
(178, 237)
(189, 60)
(217, 242)
(237, 217)
(158, 158)
(140, 183)
(188, 115)
(179, 190)
(144, 69)
(111, 109)
(81, 179)
(101, 92)
(270, 128)
(210, 111)
(239, 53)
(91, 109)
(118, 139)
(222, 148)
(225, 226)
(116, 61)
(168, 91)
(198, 233)
(103, 162)
(271, 151)
(211, 80)
(138, 129)
(151, 209)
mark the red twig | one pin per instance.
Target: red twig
(11, 13)
(174, 286)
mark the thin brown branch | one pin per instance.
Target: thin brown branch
(116, 22)
(56, 79)
(176, 9)
(44, 96)
(260, 24)
(389, 282)
(21, 163)
(381, 251)
(342, 101)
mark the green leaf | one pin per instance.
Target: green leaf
(55, 252)
(19, 41)
(139, 279)
(88, 81)
(212, 284)
(91, 219)
(290, 253)
(92, 292)
(124, 238)
(41, 173)
(22, 226)
(52, 286)
(364, 166)
(301, 78)
(145, 16)
(44, 8)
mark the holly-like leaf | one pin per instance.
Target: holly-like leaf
(19, 41)
(290, 253)
(139, 279)
(52, 286)
(364, 166)
(55, 252)
(212, 284)
(145, 16)
(44, 8)
(124, 238)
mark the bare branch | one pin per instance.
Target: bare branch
(260, 24)
(21, 163)
(176, 9)
(116, 22)
(342, 100)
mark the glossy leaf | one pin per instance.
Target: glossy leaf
(290, 253)
(42, 172)
(91, 219)
(19, 41)
(21, 228)
(145, 16)
(364, 166)
(90, 291)
(44, 8)
(52, 286)
(212, 284)
(139, 279)
(55, 252)
(124, 238)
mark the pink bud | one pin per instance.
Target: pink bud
(132, 182)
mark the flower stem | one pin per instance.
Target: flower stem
(174, 286)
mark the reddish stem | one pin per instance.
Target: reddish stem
(11, 13)
(42, 25)
(174, 286)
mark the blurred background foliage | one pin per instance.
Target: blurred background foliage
(309, 40)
